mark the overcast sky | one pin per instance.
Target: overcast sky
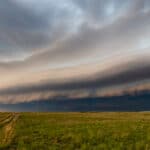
(73, 48)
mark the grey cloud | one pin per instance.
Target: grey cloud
(102, 10)
(25, 30)
(78, 32)
(14, 16)
(20, 28)
(124, 74)
(89, 42)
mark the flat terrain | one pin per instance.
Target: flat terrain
(69, 131)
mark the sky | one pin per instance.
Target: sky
(73, 48)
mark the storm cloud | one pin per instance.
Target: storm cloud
(72, 47)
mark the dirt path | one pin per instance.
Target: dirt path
(8, 130)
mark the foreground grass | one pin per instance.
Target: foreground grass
(69, 131)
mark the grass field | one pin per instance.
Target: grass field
(75, 131)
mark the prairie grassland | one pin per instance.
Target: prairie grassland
(69, 131)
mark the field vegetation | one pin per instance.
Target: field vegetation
(75, 131)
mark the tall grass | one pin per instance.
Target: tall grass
(85, 131)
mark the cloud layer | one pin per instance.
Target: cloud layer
(73, 48)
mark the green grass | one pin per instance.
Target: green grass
(78, 131)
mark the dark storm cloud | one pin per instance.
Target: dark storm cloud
(62, 34)
(89, 42)
(25, 30)
(19, 27)
(15, 16)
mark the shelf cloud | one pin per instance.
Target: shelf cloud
(73, 48)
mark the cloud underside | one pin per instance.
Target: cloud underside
(73, 48)
(116, 80)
